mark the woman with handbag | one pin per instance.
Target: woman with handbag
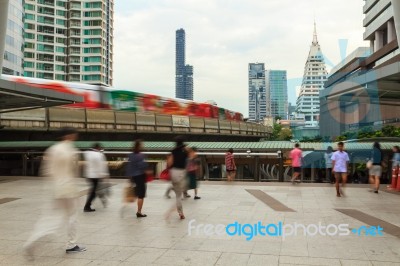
(137, 171)
(176, 162)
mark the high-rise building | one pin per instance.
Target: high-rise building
(257, 93)
(276, 84)
(362, 92)
(183, 72)
(315, 74)
(69, 40)
(14, 39)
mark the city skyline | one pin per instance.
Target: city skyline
(222, 46)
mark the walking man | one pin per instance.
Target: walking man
(296, 155)
(95, 169)
(340, 165)
(61, 168)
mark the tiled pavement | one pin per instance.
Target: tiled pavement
(112, 240)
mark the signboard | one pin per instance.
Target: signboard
(180, 121)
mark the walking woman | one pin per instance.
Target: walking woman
(177, 163)
(230, 165)
(396, 157)
(137, 168)
(194, 171)
(375, 172)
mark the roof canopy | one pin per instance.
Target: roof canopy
(15, 97)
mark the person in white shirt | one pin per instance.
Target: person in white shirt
(60, 167)
(95, 169)
(340, 165)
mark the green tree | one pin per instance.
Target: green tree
(285, 134)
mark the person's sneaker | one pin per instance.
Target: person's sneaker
(75, 249)
(376, 191)
(187, 196)
(88, 210)
(167, 196)
(196, 197)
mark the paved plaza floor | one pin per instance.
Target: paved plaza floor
(112, 240)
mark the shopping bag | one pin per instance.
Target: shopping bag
(129, 194)
(149, 178)
(165, 175)
(103, 189)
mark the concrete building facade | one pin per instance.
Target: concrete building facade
(362, 92)
(257, 93)
(69, 40)
(183, 72)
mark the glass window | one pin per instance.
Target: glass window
(60, 49)
(29, 64)
(92, 59)
(29, 35)
(28, 74)
(61, 13)
(29, 7)
(29, 16)
(29, 45)
(60, 77)
(61, 22)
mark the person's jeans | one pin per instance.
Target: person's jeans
(92, 192)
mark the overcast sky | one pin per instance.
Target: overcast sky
(222, 37)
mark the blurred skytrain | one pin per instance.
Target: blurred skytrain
(99, 97)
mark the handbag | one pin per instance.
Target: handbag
(149, 178)
(130, 193)
(165, 175)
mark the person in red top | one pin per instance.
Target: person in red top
(296, 156)
(230, 165)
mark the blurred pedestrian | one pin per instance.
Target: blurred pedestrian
(396, 157)
(60, 166)
(328, 165)
(375, 172)
(296, 155)
(340, 166)
(194, 170)
(137, 170)
(230, 165)
(95, 170)
(177, 163)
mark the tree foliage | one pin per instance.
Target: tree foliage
(369, 132)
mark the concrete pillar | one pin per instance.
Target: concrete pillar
(3, 29)
(281, 169)
(391, 31)
(396, 12)
(378, 40)
(372, 45)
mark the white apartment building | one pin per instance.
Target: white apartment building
(69, 40)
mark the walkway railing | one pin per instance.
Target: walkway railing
(93, 120)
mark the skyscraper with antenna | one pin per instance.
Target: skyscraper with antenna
(315, 74)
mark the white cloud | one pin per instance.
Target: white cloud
(222, 37)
